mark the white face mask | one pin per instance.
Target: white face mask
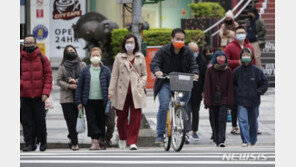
(240, 37)
(129, 47)
(95, 60)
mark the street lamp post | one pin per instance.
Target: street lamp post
(137, 20)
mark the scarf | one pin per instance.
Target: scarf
(220, 67)
(72, 68)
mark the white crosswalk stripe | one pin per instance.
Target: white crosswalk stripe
(234, 156)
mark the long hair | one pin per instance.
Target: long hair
(65, 51)
(128, 36)
(204, 52)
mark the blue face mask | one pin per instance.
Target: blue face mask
(195, 55)
(246, 60)
(241, 37)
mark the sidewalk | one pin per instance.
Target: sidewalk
(57, 130)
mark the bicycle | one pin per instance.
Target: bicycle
(176, 115)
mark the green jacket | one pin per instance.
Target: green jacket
(260, 29)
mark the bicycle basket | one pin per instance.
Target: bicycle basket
(182, 82)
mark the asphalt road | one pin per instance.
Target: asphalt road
(263, 156)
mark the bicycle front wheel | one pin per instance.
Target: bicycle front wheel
(168, 134)
(178, 131)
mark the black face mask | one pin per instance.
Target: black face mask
(70, 55)
(228, 21)
(29, 49)
(209, 56)
(250, 17)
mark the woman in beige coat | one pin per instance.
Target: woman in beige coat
(67, 79)
(227, 27)
(126, 91)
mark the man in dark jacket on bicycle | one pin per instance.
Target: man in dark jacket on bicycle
(173, 57)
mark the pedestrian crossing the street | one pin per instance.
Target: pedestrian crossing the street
(266, 121)
(205, 156)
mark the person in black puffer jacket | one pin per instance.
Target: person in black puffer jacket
(249, 84)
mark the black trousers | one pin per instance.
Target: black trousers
(194, 107)
(95, 115)
(234, 116)
(33, 120)
(218, 117)
(70, 111)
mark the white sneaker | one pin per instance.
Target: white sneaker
(244, 145)
(122, 144)
(133, 147)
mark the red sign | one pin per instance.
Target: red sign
(66, 10)
(39, 13)
(150, 54)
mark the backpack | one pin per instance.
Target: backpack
(41, 58)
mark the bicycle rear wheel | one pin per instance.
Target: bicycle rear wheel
(178, 131)
(168, 133)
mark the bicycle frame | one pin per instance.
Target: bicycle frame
(174, 103)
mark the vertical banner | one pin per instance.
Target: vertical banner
(63, 14)
(151, 50)
(39, 23)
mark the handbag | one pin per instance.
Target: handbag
(261, 44)
(80, 126)
(133, 68)
(224, 41)
(108, 108)
(48, 103)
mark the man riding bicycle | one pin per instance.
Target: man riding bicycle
(173, 57)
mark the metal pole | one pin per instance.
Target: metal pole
(27, 17)
(253, 3)
(137, 20)
(160, 14)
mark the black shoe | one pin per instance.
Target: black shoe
(221, 145)
(29, 147)
(43, 146)
(102, 144)
(109, 143)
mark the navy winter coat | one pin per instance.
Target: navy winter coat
(249, 83)
(198, 86)
(82, 91)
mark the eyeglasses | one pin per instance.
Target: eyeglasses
(29, 43)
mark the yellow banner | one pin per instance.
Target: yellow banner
(42, 47)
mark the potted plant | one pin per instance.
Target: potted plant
(204, 14)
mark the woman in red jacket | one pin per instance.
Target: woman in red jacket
(218, 95)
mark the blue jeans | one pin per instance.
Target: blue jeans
(164, 102)
(248, 124)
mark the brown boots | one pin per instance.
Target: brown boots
(94, 145)
(97, 144)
